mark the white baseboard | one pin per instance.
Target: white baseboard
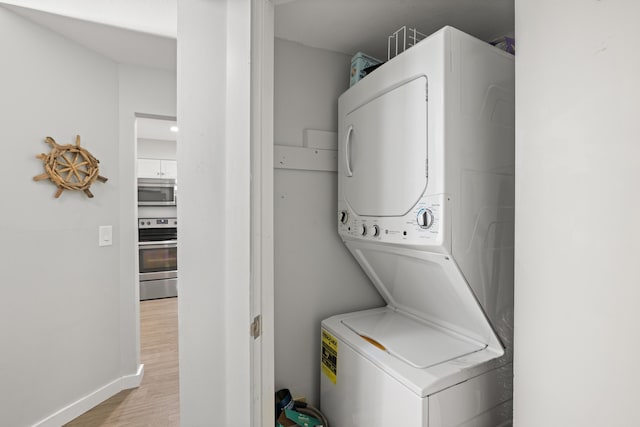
(91, 400)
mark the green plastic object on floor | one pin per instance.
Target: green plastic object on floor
(293, 418)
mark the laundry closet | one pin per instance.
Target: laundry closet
(315, 275)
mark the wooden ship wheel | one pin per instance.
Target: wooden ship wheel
(69, 167)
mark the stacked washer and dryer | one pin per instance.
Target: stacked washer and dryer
(426, 206)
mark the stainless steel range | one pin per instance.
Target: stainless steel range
(158, 253)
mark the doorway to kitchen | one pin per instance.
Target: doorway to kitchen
(157, 198)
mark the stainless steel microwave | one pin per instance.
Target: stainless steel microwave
(157, 192)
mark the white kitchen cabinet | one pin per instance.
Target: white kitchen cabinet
(169, 168)
(156, 168)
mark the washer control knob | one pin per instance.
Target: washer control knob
(362, 230)
(375, 231)
(343, 216)
(425, 218)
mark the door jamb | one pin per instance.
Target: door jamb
(262, 234)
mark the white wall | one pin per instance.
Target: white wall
(156, 149)
(577, 209)
(73, 304)
(308, 82)
(60, 307)
(315, 275)
(149, 91)
(214, 212)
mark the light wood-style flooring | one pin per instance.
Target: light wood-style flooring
(156, 402)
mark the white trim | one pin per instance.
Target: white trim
(305, 158)
(236, 202)
(262, 251)
(93, 399)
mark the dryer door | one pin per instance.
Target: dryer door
(383, 151)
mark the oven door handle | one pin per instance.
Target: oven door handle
(158, 245)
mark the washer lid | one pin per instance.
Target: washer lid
(428, 286)
(415, 343)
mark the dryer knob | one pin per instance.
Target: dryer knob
(425, 218)
(343, 216)
(375, 231)
(362, 230)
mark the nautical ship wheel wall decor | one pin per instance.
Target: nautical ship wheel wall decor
(69, 167)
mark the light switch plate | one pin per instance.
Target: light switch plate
(105, 235)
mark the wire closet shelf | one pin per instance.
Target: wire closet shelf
(401, 40)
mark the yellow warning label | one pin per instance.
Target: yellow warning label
(329, 356)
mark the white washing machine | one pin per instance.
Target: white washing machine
(425, 205)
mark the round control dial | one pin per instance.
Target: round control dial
(362, 230)
(425, 218)
(375, 231)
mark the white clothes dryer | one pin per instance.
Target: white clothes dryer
(425, 205)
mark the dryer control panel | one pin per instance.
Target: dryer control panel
(423, 225)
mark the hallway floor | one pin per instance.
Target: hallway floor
(156, 402)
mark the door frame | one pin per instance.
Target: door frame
(262, 213)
